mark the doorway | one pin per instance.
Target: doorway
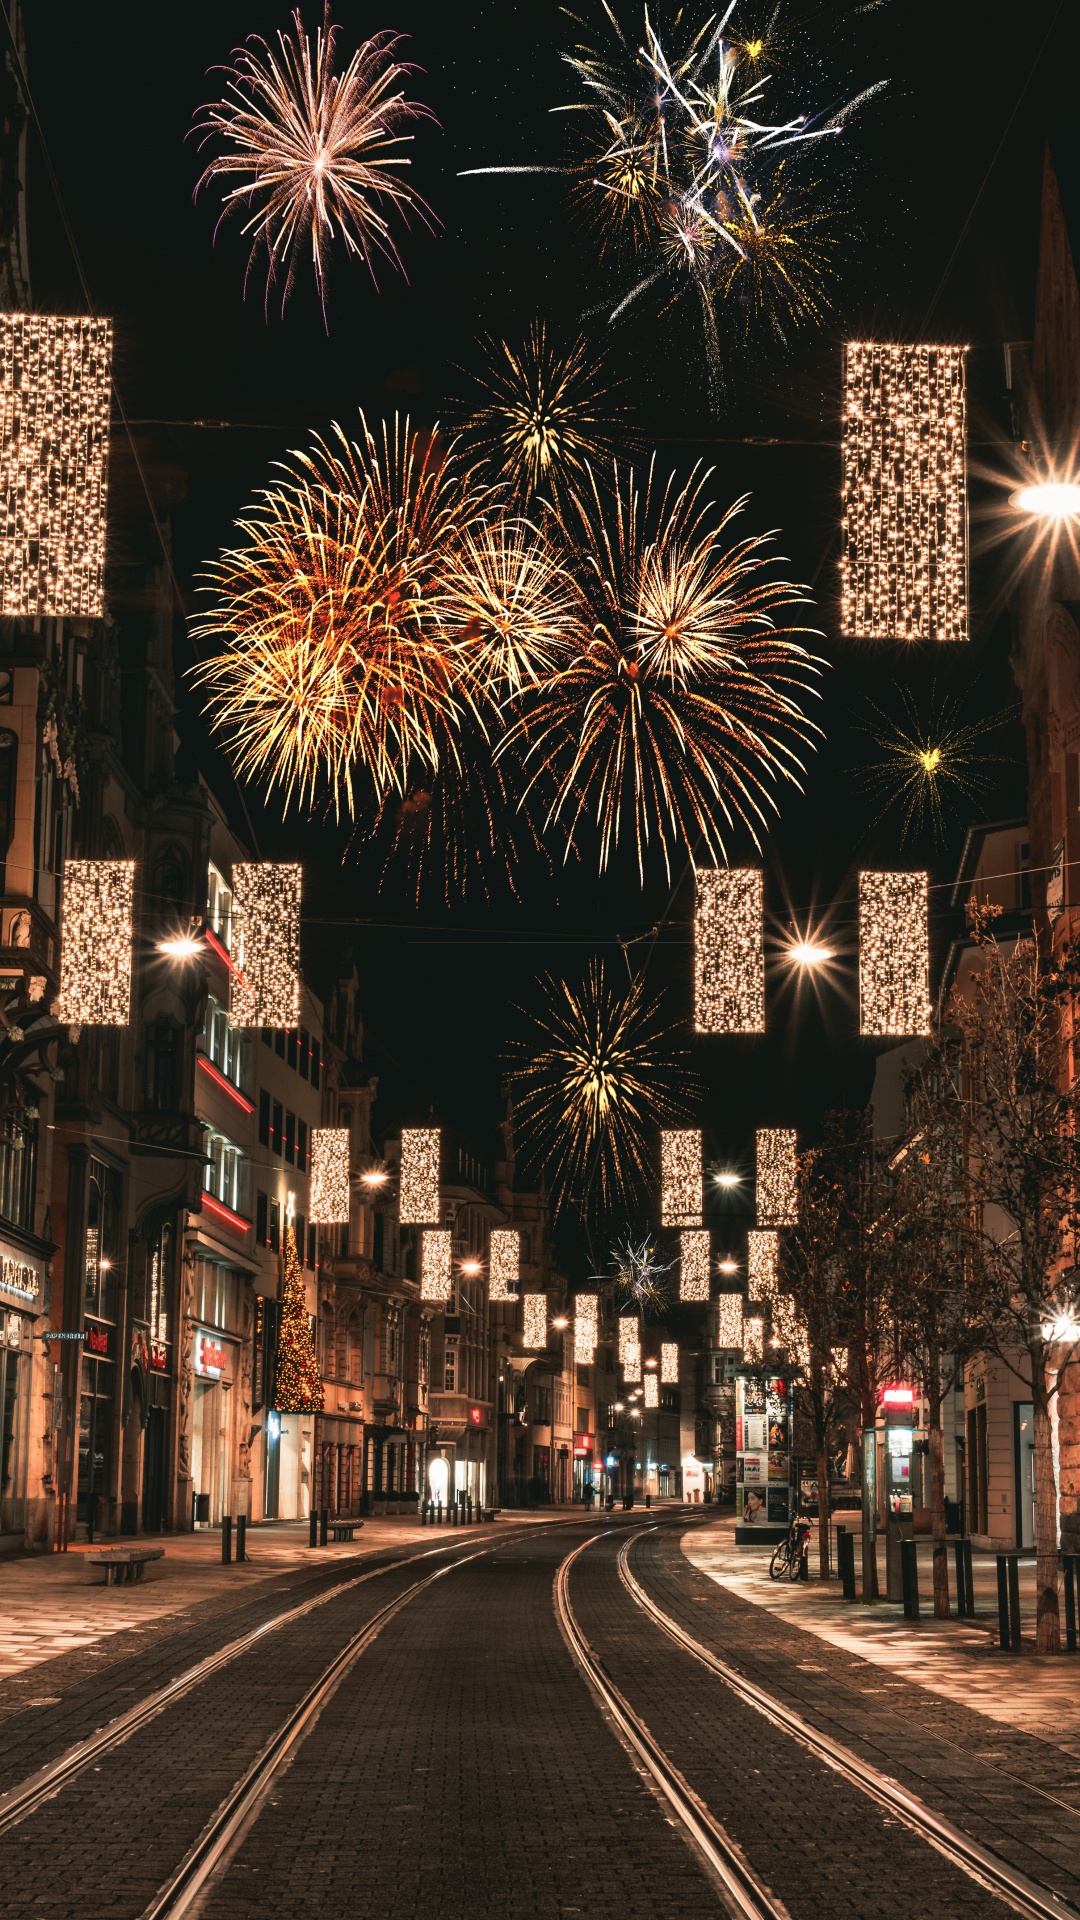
(154, 1472)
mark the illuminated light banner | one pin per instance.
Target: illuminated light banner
(894, 954)
(418, 1190)
(669, 1363)
(630, 1348)
(436, 1264)
(586, 1328)
(55, 402)
(695, 1263)
(329, 1176)
(652, 1390)
(504, 1263)
(788, 1330)
(777, 1183)
(264, 945)
(729, 951)
(681, 1177)
(95, 946)
(729, 1321)
(762, 1259)
(534, 1321)
(753, 1340)
(904, 562)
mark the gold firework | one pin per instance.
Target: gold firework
(600, 1070)
(681, 707)
(546, 413)
(336, 658)
(316, 152)
(508, 607)
(929, 763)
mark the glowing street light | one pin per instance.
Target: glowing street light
(727, 1266)
(1049, 500)
(471, 1268)
(808, 953)
(185, 946)
(728, 1179)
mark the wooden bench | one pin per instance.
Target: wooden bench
(123, 1564)
(344, 1529)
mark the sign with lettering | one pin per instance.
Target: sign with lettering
(210, 1356)
(20, 1278)
(159, 1356)
(97, 1340)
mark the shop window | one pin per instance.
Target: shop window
(18, 1168)
(226, 1174)
(219, 905)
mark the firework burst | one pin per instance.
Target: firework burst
(640, 1274)
(546, 413)
(314, 150)
(680, 710)
(336, 659)
(599, 1071)
(930, 762)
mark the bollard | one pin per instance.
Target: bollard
(1070, 1562)
(324, 1525)
(313, 1528)
(241, 1536)
(961, 1578)
(1014, 1599)
(969, 1580)
(804, 1563)
(909, 1575)
(1008, 1585)
(845, 1559)
(454, 1514)
(226, 1539)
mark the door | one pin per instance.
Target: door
(1024, 1415)
(154, 1472)
(273, 1464)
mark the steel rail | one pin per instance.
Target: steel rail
(22, 1800)
(745, 1895)
(978, 1862)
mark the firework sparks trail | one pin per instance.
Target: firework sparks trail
(684, 180)
(640, 1273)
(599, 1071)
(681, 709)
(545, 414)
(929, 763)
(315, 150)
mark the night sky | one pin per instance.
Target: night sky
(117, 86)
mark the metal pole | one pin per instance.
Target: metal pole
(909, 1575)
(324, 1525)
(961, 1581)
(1004, 1636)
(226, 1539)
(1014, 1600)
(241, 1536)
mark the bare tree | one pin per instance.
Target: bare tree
(1013, 1094)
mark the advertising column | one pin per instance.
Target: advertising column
(762, 1457)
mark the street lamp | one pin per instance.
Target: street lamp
(1049, 499)
(728, 1179)
(727, 1266)
(809, 953)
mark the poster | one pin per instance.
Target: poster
(779, 1468)
(778, 1503)
(754, 1440)
(753, 1507)
(778, 1431)
(754, 1469)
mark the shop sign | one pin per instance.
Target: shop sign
(97, 1341)
(1055, 884)
(20, 1278)
(583, 1443)
(210, 1356)
(159, 1356)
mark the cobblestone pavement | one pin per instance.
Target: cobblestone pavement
(991, 1780)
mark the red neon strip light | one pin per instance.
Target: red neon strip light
(219, 1080)
(231, 1219)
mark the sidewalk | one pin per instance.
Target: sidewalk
(56, 1603)
(958, 1659)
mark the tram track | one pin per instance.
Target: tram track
(977, 1862)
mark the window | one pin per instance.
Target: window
(316, 1064)
(277, 1131)
(542, 1406)
(583, 1376)
(290, 1138)
(18, 1169)
(164, 1058)
(279, 1043)
(302, 1061)
(290, 1047)
(450, 1370)
(275, 1225)
(260, 1219)
(301, 1146)
(9, 757)
(224, 1044)
(353, 1351)
(162, 1264)
(219, 905)
(102, 1244)
(226, 1175)
(264, 1119)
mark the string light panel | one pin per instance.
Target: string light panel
(264, 988)
(669, 1363)
(777, 1184)
(789, 1331)
(754, 1341)
(904, 562)
(95, 949)
(729, 1321)
(729, 951)
(762, 1258)
(681, 1177)
(695, 1263)
(418, 1188)
(436, 1264)
(652, 1390)
(534, 1321)
(504, 1263)
(630, 1348)
(55, 394)
(586, 1328)
(329, 1176)
(894, 954)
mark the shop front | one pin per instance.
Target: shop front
(339, 1466)
(22, 1292)
(215, 1369)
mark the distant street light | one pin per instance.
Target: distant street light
(1049, 499)
(727, 1266)
(184, 947)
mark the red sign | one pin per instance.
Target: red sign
(159, 1357)
(476, 1416)
(583, 1443)
(898, 1396)
(210, 1355)
(97, 1339)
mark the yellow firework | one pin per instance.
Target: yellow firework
(546, 411)
(600, 1070)
(336, 661)
(681, 708)
(315, 150)
(929, 764)
(508, 607)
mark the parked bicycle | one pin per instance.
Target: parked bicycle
(788, 1557)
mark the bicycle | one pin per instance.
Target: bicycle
(788, 1556)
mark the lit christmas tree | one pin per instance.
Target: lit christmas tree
(298, 1388)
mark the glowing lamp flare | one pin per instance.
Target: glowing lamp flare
(1049, 500)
